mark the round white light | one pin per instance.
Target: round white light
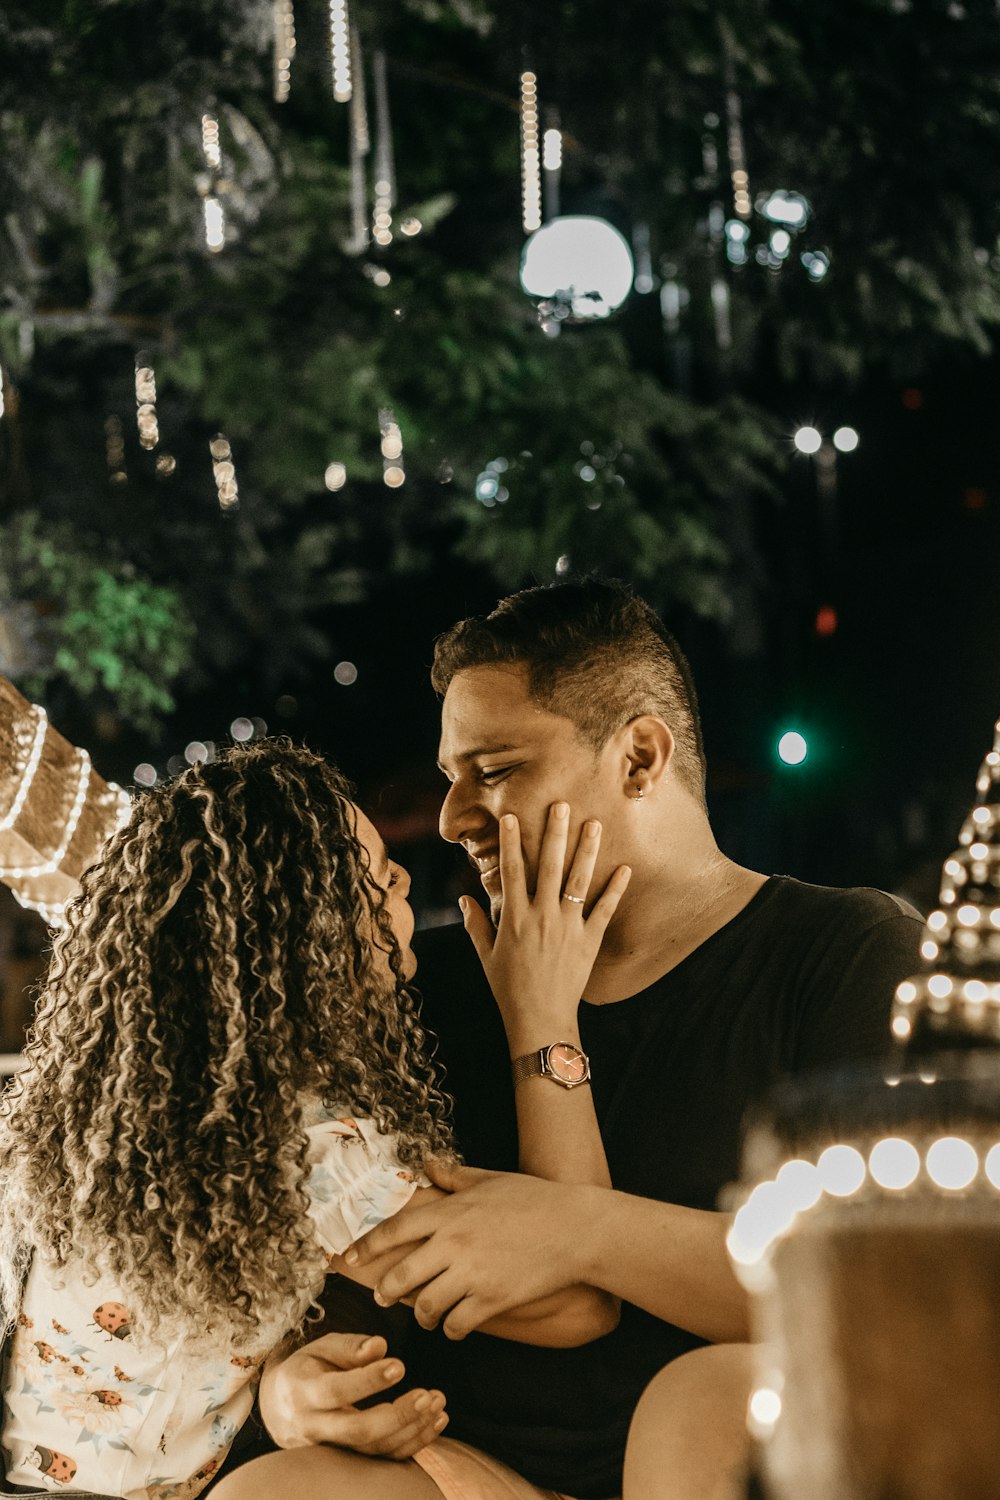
(335, 476)
(799, 1184)
(241, 729)
(894, 1163)
(346, 673)
(991, 1165)
(841, 1171)
(196, 752)
(145, 774)
(845, 439)
(808, 440)
(582, 262)
(952, 1162)
(792, 748)
(765, 1407)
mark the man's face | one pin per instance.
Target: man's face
(503, 753)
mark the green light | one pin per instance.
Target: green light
(792, 748)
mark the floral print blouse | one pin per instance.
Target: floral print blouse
(87, 1408)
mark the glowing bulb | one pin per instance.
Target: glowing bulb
(215, 224)
(799, 1184)
(792, 748)
(907, 991)
(765, 1407)
(940, 985)
(937, 920)
(894, 1163)
(952, 1163)
(968, 915)
(807, 440)
(346, 673)
(841, 1170)
(144, 774)
(335, 476)
(901, 1027)
(241, 729)
(393, 476)
(845, 439)
(991, 1165)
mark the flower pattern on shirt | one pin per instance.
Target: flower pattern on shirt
(87, 1405)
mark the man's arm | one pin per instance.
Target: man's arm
(502, 1238)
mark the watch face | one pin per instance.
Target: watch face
(567, 1062)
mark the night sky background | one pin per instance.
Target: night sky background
(886, 119)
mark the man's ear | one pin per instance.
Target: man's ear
(648, 750)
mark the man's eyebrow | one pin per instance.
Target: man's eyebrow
(467, 755)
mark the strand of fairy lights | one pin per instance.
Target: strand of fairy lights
(215, 218)
(359, 148)
(393, 473)
(531, 171)
(145, 402)
(13, 812)
(385, 171)
(284, 49)
(50, 865)
(951, 1164)
(340, 51)
(225, 472)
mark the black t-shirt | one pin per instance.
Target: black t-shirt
(801, 978)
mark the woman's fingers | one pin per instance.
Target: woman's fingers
(581, 871)
(606, 904)
(552, 857)
(512, 881)
(478, 926)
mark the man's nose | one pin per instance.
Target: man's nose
(461, 816)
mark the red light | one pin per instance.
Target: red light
(912, 398)
(826, 620)
(974, 499)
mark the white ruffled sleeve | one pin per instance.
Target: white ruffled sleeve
(355, 1181)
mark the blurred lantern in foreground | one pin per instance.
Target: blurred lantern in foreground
(955, 1000)
(868, 1230)
(577, 269)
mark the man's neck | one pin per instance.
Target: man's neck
(670, 912)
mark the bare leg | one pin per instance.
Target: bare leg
(688, 1439)
(326, 1474)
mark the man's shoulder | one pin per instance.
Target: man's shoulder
(859, 907)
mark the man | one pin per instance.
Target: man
(712, 982)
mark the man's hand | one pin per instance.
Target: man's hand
(311, 1397)
(499, 1241)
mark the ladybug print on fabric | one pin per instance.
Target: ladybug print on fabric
(56, 1465)
(113, 1318)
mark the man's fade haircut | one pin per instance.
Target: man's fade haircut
(595, 653)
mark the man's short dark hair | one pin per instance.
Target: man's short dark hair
(595, 654)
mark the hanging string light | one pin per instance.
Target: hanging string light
(145, 402)
(1, 392)
(225, 472)
(340, 51)
(531, 172)
(208, 184)
(360, 145)
(734, 130)
(552, 151)
(284, 49)
(393, 473)
(385, 171)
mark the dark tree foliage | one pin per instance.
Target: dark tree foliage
(636, 447)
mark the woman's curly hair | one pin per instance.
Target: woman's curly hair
(221, 962)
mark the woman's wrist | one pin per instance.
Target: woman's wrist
(532, 1034)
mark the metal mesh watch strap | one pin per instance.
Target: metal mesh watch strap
(528, 1065)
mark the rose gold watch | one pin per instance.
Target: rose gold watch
(563, 1062)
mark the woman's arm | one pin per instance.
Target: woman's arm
(563, 1320)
